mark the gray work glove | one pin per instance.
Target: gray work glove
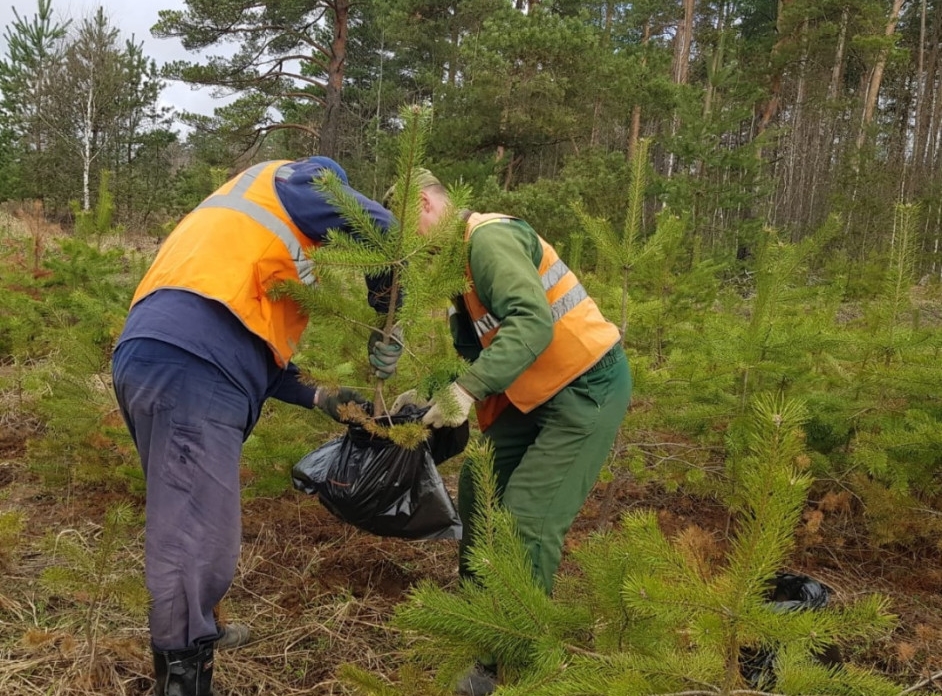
(330, 401)
(384, 355)
(450, 409)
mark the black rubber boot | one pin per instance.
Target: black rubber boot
(185, 672)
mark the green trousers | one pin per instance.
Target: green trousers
(547, 461)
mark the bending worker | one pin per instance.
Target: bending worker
(549, 379)
(202, 349)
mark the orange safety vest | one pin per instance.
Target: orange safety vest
(232, 248)
(581, 335)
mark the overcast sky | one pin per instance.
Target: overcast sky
(130, 17)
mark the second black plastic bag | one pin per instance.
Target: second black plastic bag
(382, 488)
(789, 592)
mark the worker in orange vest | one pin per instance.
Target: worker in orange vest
(203, 347)
(549, 379)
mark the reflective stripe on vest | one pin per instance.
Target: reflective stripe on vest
(555, 274)
(551, 278)
(235, 200)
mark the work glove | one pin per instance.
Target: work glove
(453, 412)
(385, 355)
(330, 401)
(407, 398)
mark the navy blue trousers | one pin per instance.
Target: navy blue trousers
(188, 422)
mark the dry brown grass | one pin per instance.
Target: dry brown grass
(11, 223)
(316, 594)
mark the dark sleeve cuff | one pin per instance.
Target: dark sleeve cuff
(292, 390)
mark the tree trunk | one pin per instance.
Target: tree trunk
(920, 85)
(455, 50)
(635, 132)
(796, 164)
(935, 130)
(773, 103)
(597, 110)
(716, 62)
(876, 77)
(511, 167)
(927, 92)
(680, 69)
(329, 144)
(87, 148)
(682, 41)
(837, 71)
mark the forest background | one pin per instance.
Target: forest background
(750, 189)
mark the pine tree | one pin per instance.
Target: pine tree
(85, 297)
(424, 271)
(623, 250)
(644, 613)
(290, 58)
(27, 89)
(96, 223)
(890, 400)
(767, 343)
(91, 572)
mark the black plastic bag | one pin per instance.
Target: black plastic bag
(789, 593)
(382, 488)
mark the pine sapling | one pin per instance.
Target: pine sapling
(623, 249)
(645, 613)
(422, 269)
(94, 573)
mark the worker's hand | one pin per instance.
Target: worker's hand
(384, 355)
(407, 398)
(330, 402)
(451, 408)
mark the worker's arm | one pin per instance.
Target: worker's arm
(292, 390)
(504, 258)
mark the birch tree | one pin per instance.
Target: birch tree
(91, 81)
(99, 111)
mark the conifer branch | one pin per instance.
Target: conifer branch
(416, 273)
(507, 585)
(636, 186)
(442, 611)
